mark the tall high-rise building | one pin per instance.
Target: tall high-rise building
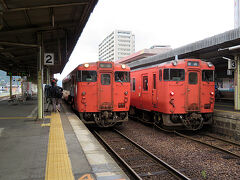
(116, 46)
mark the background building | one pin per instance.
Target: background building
(156, 49)
(116, 46)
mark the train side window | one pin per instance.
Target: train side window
(133, 84)
(87, 76)
(192, 78)
(145, 83)
(105, 79)
(122, 76)
(208, 75)
(154, 81)
(166, 74)
(160, 75)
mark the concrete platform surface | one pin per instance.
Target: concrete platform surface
(58, 147)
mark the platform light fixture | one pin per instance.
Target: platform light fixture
(230, 48)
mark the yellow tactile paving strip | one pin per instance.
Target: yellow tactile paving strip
(58, 164)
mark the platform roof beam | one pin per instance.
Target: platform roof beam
(61, 22)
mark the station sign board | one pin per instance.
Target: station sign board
(229, 72)
(232, 64)
(48, 59)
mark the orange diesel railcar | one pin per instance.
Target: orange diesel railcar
(99, 92)
(176, 93)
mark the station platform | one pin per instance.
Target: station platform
(57, 147)
(226, 109)
(226, 120)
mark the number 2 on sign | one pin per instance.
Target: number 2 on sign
(48, 59)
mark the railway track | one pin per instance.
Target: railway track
(139, 162)
(223, 145)
(218, 143)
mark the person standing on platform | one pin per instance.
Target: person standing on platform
(55, 96)
(48, 97)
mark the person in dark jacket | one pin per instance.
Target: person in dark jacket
(55, 96)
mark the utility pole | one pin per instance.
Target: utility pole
(236, 14)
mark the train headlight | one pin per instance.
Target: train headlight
(123, 66)
(174, 63)
(83, 93)
(171, 93)
(125, 92)
(212, 93)
(210, 64)
(86, 65)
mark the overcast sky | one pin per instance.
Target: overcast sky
(154, 22)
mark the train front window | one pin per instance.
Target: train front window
(208, 75)
(105, 79)
(192, 78)
(87, 76)
(174, 74)
(122, 76)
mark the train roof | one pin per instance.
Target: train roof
(170, 62)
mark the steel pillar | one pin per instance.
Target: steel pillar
(48, 75)
(39, 80)
(10, 91)
(237, 84)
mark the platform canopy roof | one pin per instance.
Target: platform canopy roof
(216, 49)
(24, 22)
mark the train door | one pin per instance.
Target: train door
(144, 91)
(105, 91)
(154, 91)
(75, 90)
(193, 91)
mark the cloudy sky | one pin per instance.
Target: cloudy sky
(154, 22)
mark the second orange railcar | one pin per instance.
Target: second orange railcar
(176, 93)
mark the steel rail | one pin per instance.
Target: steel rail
(202, 142)
(196, 140)
(222, 139)
(171, 169)
(130, 170)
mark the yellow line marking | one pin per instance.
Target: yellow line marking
(18, 117)
(58, 165)
(234, 112)
(44, 125)
(223, 105)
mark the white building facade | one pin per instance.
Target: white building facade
(116, 46)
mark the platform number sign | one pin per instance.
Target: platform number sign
(48, 59)
(232, 64)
